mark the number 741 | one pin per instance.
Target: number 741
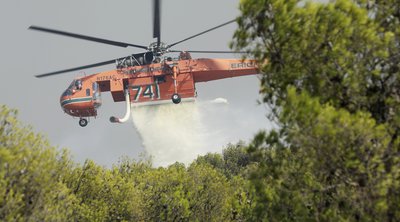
(146, 91)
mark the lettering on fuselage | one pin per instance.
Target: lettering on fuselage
(104, 78)
(243, 65)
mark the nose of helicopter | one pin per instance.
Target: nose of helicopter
(64, 103)
(78, 107)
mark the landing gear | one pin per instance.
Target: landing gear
(83, 122)
(176, 98)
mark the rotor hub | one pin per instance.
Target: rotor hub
(158, 49)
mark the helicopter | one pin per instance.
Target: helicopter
(148, 78)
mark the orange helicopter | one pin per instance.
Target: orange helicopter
(147, 78)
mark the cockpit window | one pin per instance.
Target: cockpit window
(68, 91)
(71, 85)
(78, 84)
(75, 85)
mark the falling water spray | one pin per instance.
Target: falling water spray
(172, 133)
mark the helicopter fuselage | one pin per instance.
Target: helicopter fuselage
(150, 84)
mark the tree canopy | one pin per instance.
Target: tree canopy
(330, 73)
(41, 183)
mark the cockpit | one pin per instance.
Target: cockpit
(75, 85)
(81, 98)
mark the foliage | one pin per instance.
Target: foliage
(328, 166)
(334, 51)
(233, 161)
(39, 183)
(330, 73)
(31, 175)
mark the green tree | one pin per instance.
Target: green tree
(330, 72)
(165, 194)
(328, 167)
(213, 159)
(236, 159)
(105, 194)
(208, 193)
(31, 175)
(233, 161)
(334, 51)
(39, 183)
(241, 199)
(177, 193)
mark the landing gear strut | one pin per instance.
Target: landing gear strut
(176, 98)
(83, 122)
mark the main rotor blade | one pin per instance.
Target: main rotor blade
(77, 68)
(201, 33)
(89, 38)
(156, 20)
(204, 51)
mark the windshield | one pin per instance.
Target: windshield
(68, 91)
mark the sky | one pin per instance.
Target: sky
(25, 53)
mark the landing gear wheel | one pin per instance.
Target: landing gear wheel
(83, 122)
(176, 98)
